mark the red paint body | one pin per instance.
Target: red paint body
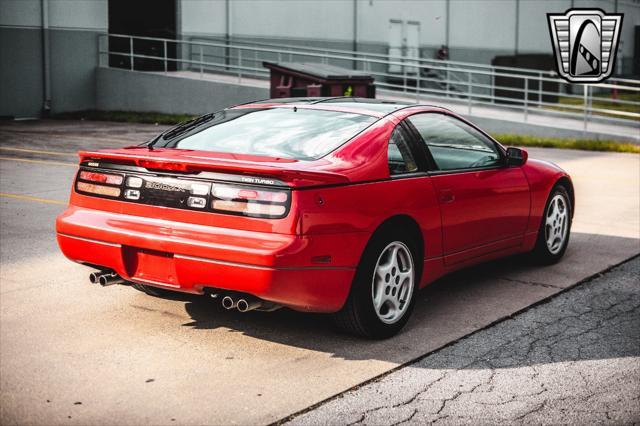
(307, 260)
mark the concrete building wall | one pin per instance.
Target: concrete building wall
(125, 90)
(21, 81)
(474, 30)
(74, 26)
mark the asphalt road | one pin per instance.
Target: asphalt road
(73, 353)
(572, 360)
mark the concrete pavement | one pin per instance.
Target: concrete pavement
(130, 358)
(573, 360)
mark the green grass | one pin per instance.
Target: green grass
(124, 116)
(604, 102)
(567, 143)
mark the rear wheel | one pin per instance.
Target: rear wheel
(383, 291)
(553, 235)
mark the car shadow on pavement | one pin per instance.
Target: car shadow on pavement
(451, 308)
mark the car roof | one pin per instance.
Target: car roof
(367, 106)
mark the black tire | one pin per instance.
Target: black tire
(358, 315)
(541, 254)
(153, 291)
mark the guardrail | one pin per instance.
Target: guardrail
(526, 90)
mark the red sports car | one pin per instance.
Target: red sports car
(345, 206)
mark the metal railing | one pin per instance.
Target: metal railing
(524, 90)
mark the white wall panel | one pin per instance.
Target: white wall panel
(374, 16)
(20, 13)
(533, 27)
(325, 20)
(487, 24)
(79, 14)
(202, 16)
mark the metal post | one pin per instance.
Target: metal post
(469, 90)
(526, 99)
(418, 85)
(590, 102)
(131, 52)
(447, 70)
(239, 65)
(404, 76)
(585, 90)
(46, 59)
(201, 61)
(165, 56)
(100, 63)
(493, 85)
(540, 82)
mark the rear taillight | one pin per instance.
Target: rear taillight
(187, 193)
(105, 184)
(101, 177)
(99, 189)
(249, 202)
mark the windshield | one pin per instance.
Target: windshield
(299, 133)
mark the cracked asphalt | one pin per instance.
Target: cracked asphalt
(574, 359)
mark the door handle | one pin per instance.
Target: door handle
(446, 196)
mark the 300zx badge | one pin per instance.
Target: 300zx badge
(164, 187)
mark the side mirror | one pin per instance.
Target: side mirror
(516, 156)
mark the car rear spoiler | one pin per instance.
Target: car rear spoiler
(294, 177)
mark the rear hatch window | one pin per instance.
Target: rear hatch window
(296, 133)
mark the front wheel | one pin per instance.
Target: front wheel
(553, 235)
(383, 291)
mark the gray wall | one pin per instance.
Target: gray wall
(74, 26)
(123, 90)
(73, 65)
(21, 90)
(74, 56)
(475, 30)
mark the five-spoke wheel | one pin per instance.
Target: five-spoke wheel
(555, 227)
(392, 282)
(556, 223)
(383, 290)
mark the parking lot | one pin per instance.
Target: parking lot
(76, 353)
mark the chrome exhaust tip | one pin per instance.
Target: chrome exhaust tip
(245, 305)
(94, 277)
(110, 279)
(228, 302)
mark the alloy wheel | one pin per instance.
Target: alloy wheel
(392, 287)
(556, 223)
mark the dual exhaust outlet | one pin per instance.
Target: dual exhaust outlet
(243, 304)
(105, 278)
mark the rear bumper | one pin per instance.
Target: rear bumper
(190, 258)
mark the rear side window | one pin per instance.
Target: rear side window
(399, 154)
(300, 134)
(454, 144)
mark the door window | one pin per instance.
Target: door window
(454, 144)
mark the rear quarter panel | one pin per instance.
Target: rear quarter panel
(352, 213)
